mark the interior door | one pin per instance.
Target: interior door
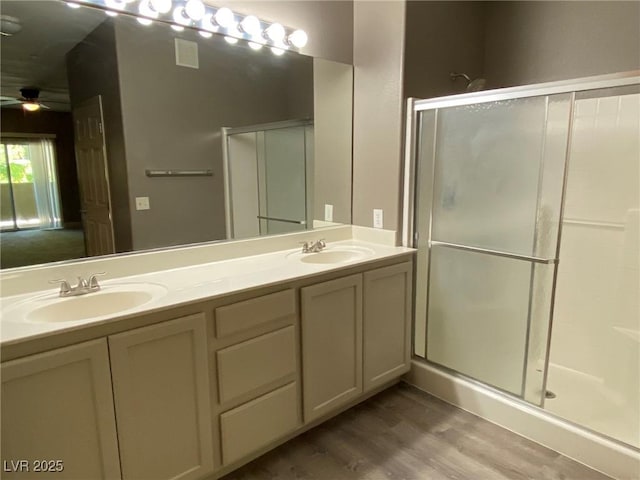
(93, 177)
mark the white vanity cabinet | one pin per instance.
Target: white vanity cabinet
(57, 415)
(331, 344)
(387, 323)
(59, 405)
(256, 363)
(161, 392)
(356, 336)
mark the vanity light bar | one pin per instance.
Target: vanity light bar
(195, 14)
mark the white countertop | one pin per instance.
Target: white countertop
(184, 285)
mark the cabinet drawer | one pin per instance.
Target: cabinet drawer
(256, 363)
(256, 312)
(253, 425)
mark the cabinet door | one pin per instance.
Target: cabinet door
(58, 406)
(161, 391)
(387, 324)
(331, 344)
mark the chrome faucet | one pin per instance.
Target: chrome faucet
(313, 247)
(82, 288)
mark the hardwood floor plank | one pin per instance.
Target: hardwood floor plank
(406, 434)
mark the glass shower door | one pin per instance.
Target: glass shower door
(492, 223)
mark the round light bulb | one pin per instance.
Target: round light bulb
(224, 17)
(31, 107)
(195, 9)
(276, 33)
(111, 13)
(208, 23)
(255, 45)
(115, 4)
(231, 40)
(144, 21)
(73, 5)
(205, 34)
(177, 28)
(298, 38)
(277, 51)
(161, 6)
(180, 17)
(251, 25)
(145, 10)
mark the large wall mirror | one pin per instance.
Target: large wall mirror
(148, 137)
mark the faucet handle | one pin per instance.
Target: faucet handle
(305, 246)
(93, 280)
(322, 243)
(82, 283)
(64, 285)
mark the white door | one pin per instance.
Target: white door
(93, 177)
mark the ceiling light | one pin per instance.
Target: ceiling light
(231, 40)
(255, 45)
(31, 106)
(145, 9)
(224, 17)
(116, 4)
(180, 17)
(208, 23)
(144, 21)
(298, 38)
(276, 33)
(195, 9)
(161, 6)
(205, 34)
(177, 28)
(277, 51)
(9, 25)
(251, 25)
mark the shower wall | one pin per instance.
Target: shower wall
(595, 350)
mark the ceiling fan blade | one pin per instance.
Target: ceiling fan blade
(6, 101)
(42, 105)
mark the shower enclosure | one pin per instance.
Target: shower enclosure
(524, 205)
(268, 178)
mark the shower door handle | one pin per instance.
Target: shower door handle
(497, 253)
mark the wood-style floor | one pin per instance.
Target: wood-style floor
(403, 433)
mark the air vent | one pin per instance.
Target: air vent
(186, 53)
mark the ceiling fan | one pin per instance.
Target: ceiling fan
(29, 100)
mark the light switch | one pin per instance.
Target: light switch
(328, 212)
(142, 203)
(377, 218)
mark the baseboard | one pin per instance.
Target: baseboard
(599, 453)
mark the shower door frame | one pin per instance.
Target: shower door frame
(226, 167)
(410, 237)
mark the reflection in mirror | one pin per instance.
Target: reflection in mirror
(119, 137)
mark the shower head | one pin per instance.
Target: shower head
(472, 85)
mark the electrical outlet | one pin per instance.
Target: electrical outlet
(142, 203)
(328, 212)
(377, 218)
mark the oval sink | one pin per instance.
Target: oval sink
(336, 255)
(109, 300)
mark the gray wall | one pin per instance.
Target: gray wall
(93, 70)
(531, 42)
(442, 37)
(378, 53)
(172, 117)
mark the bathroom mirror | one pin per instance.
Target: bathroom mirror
(147, 137)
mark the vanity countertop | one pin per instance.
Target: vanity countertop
(182, 286)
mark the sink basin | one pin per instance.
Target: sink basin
(110, 300)
(335, 254)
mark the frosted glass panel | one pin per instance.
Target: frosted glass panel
(477, 320)
(285, 179)
(490, 183)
